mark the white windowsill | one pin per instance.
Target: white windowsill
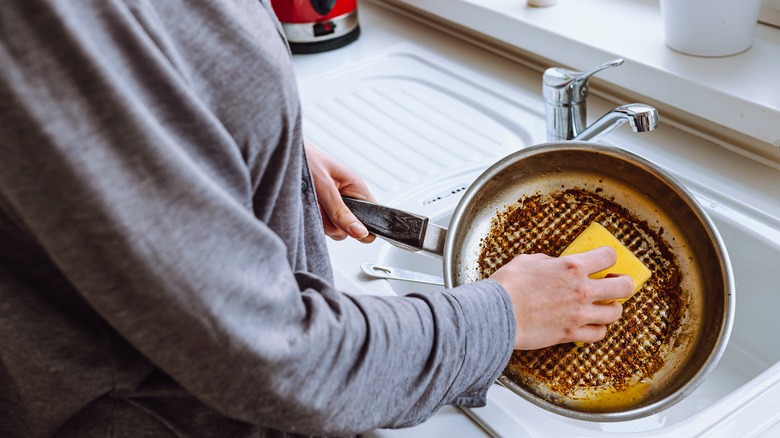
(740, 92)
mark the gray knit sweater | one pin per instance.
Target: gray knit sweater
(162, 263)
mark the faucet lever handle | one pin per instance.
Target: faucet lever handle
(563, 86)
(585, 75)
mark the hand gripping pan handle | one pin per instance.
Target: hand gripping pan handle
(405, 230)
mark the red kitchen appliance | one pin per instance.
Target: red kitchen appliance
(314, 26)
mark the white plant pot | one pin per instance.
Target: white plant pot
(709, 27)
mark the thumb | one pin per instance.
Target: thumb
(340, 215)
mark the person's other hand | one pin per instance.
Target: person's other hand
(331, 180)
(556, 302)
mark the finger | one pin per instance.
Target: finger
(612, 287)
(341, 216)
(596, 259)
(603, 313)
(336, 233)
(331, 230)
(357, 188)
(368, 239)
(363, 194)
(589, 333)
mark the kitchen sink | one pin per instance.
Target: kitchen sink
(421, 128)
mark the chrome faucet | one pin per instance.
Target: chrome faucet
(565, 95)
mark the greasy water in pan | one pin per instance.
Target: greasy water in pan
(618, 371)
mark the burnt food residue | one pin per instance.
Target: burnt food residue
(633, 349)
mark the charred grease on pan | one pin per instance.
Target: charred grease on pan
(615, 372)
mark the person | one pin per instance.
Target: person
(163, 269)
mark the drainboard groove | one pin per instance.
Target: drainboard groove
(364, 141)
(375, 175)
(450, 114)
(415, 122)
(375, 123)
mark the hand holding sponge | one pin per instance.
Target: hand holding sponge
(596, 236)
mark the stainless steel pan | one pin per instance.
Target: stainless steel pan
(706, 287)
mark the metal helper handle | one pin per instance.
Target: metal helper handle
(387, 272)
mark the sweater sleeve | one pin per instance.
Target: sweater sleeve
(153, 230)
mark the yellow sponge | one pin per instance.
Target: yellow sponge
(596, 236)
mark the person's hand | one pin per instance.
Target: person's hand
(331, 180)
(556, 302)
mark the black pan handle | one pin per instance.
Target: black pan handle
(401, 228)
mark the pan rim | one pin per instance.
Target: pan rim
(729, 298)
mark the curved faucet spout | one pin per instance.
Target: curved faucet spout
(565, 94)
(641, 117)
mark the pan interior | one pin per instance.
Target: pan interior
(585, 176)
